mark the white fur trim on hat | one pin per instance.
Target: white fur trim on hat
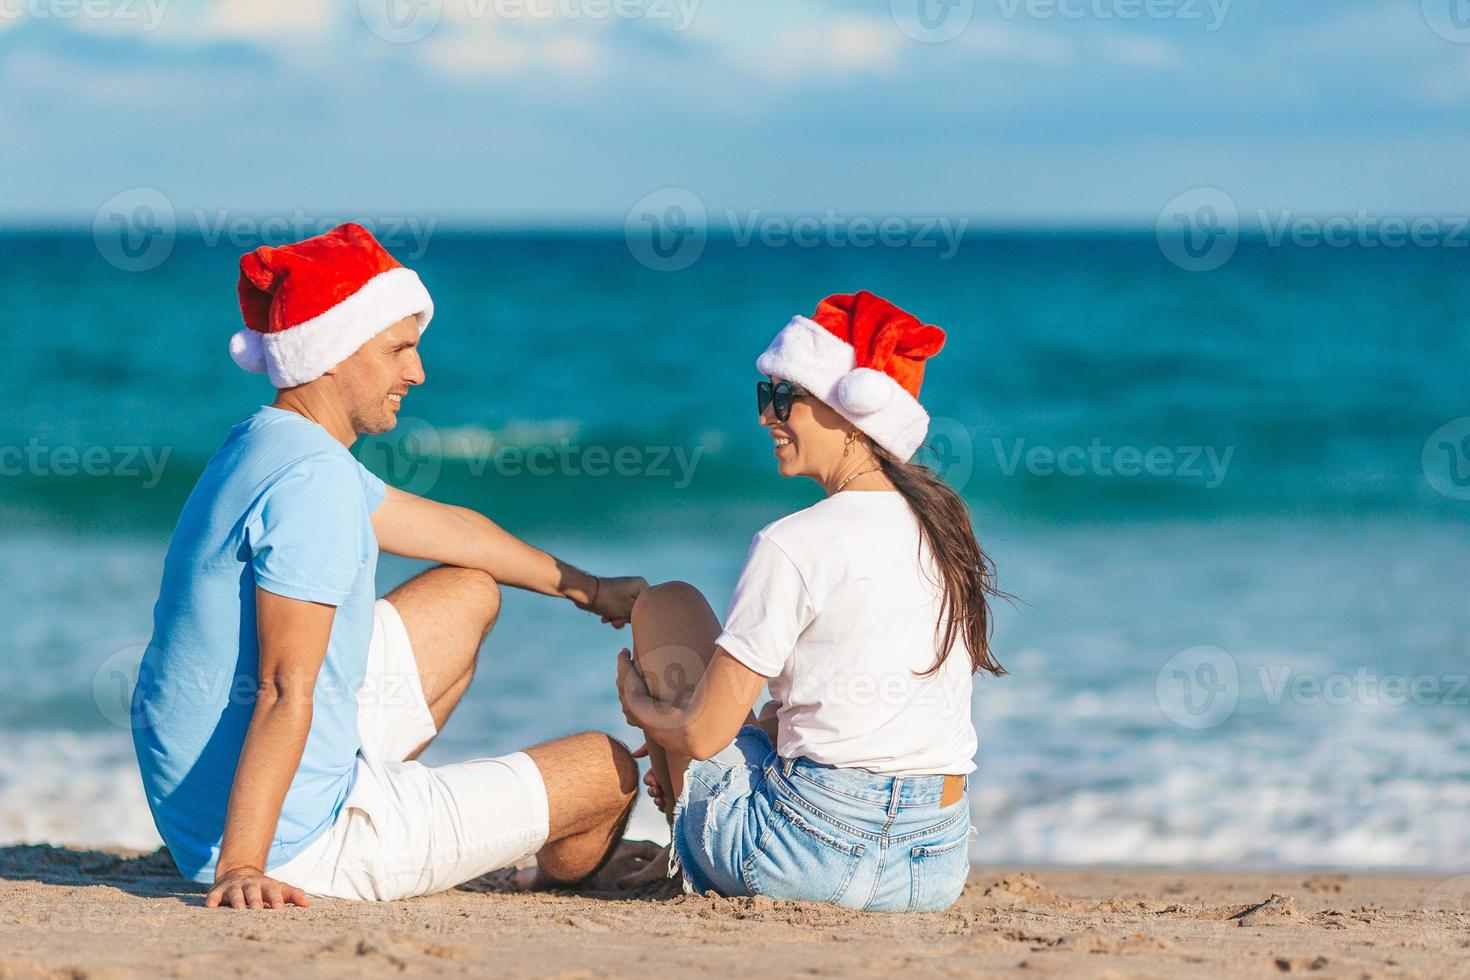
(310, 349)
(806, 353)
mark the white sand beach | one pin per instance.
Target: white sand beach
(73, 913)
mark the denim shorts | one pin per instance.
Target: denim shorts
(752, 823)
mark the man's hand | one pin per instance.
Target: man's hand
(250, 888)
(614, 598)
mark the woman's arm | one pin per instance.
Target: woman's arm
(768, 720)
(708, 722)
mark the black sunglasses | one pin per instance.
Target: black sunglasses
(780, 395)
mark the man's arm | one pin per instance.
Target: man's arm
(416, 527)
(293, 637)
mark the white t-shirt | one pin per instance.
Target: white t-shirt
(839, 609)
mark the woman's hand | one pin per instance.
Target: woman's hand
(650, 779)
(613, 598)
(632, 689)
(251, 888)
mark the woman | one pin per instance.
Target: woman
(867, 614)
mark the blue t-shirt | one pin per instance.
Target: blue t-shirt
(284, 506)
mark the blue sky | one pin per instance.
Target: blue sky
(532, 111)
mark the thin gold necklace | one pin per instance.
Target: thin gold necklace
(853, 477)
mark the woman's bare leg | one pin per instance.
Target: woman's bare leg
(674, 631)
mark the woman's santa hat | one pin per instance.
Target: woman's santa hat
(311, 305)
(864, 357)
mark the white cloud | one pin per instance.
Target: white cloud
(267, 19)
(837, 46)
(1137, 51)
(504, 52)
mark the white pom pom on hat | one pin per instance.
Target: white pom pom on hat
(248, 351)
(863, 391)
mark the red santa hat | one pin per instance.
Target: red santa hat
(864, 357)
(311, 305)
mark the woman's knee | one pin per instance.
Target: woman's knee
(664, 598)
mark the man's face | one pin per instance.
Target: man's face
(373, 381)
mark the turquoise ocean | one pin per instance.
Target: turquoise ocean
(1233, 506)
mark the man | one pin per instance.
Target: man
(279, 707)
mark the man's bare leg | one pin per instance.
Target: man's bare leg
(447, 612)
(591, 784)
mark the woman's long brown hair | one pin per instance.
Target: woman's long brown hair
(969, 575)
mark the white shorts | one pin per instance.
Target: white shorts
(408, 829)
